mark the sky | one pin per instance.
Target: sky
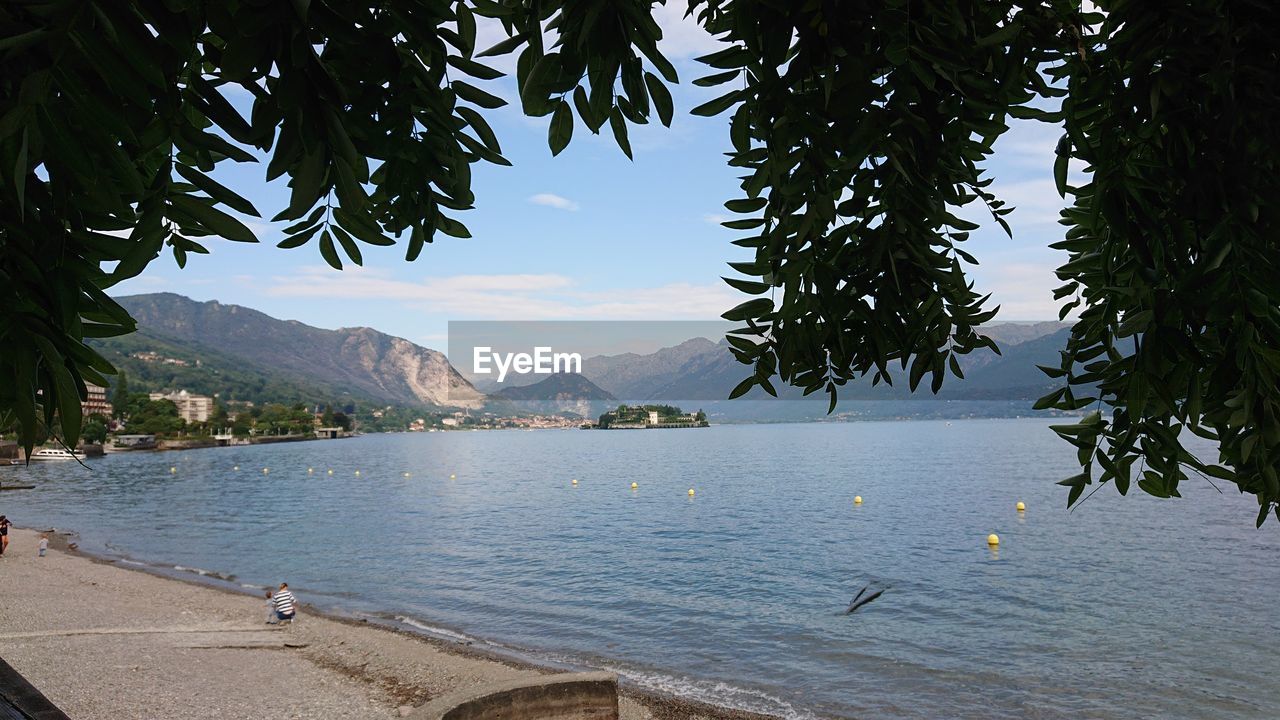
(587, 235)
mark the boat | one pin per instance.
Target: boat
(56, 454)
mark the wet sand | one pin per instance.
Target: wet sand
(105, 640)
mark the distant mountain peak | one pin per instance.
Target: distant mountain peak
(363, 360)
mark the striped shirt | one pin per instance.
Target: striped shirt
(284, 602)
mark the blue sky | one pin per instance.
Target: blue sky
(588, 235)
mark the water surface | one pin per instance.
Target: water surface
(1126, 607)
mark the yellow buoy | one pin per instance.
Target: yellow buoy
(310, 470)
(635, 485)
(575, 482)
(266, 470)
(236, 467)
(993, 539)
(357, 472)
(690, 492)
(173, 469)
(453, 477)
(857, 499)
(406, 474)
(330, 472)
(1021, 507)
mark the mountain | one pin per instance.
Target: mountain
(559, 386)
(631, 376)
(1013, 375)
(360, 362)
(561, 393)
(702, 370)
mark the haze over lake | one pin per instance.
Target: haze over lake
(1126, 607)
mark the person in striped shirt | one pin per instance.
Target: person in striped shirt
(284, 603)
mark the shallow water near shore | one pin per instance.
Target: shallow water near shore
(1126, 607)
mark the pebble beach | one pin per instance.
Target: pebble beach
(104, 641)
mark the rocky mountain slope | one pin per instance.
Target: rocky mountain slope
(362, 361)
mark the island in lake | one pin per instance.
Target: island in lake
(644, 417)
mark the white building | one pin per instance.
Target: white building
(192, 408)
(96, 402)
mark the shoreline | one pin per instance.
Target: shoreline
(391, 674)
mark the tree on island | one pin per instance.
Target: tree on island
(860, 130)
(120, 396)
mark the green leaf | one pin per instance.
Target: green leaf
(661, 98)
(476, 96)
(717, 79)
(348, 244)
(299, 239)
(619, 126)
(217, 191)
(473, 68)
(748, 205)
(750, 310)
(719, 105)
(750, 287)
(328, 251)
(560, 131)
(505, 46)
(213, 219)
(742, 388)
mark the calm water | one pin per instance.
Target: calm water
(1127, 607)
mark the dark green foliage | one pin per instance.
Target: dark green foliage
(94, 429)
(120, 394)
(153, 417)
(861, 130)
(228, 377)
(1172, 247)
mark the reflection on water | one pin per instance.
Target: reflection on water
(1127, 607)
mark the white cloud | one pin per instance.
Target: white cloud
(682, 37)
(715, 218)
(1035, 202)
(554, 201)
(1022, 290)
(512, 297)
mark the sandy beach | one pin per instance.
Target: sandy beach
(104, 640)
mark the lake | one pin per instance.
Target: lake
(1126, 607)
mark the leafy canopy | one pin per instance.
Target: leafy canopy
(861, 130)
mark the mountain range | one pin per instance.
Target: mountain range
(242, 354)
(360, 363)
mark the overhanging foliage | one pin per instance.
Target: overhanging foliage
(862, 129)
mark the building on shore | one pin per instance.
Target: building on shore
(192, 408)
(96, 402)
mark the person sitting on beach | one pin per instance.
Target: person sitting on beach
(271, 609)
(44, 544)
(284, 604)
(4, 534)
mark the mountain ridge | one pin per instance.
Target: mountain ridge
(364, 361)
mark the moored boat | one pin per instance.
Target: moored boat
(56, 454)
